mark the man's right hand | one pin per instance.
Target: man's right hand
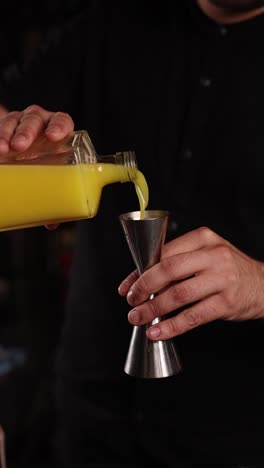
(19, 129)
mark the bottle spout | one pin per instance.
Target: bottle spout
(128, 159)
(86, 153)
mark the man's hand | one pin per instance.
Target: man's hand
(19, 129)
(3, 111)
(203, 273)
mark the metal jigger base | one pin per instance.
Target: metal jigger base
(145, 237)
(151, 359)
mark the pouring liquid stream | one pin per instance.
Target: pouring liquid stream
(142, 191)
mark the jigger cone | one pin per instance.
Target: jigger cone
(145, 238)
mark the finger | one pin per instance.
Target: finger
(127, 283)
(8, 124)
(190, 241)
(52, 227)
(59, 126)
(199, 314)
(193, 240)
(169, 269)
(32, 121)
(178, 295)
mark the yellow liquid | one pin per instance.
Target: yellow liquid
(33, 195)
(142, 192)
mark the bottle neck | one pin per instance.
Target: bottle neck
(86, 154)
(127, 159)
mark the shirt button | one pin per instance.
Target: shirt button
(223, 30)
(173, 227)
(205, 82)
(187, 154)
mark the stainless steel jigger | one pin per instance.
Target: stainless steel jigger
(145, 238)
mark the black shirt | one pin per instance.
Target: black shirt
(186, 94)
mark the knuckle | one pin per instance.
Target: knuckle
(13, 115)
(226, 262)
(140, 288)
(192, 317)
(223, 306)
(207, 234)
(224, 252)
(170, 328)
(230, 297)
(232, 278)
(168, 266)
(153, 309)
(180, 293)
(134, 275)
(9, 118)
(32, 118)
(144, 286)
(25, 132)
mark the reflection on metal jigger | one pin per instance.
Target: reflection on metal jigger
(145, 238)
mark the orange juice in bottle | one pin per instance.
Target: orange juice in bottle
(57, 182)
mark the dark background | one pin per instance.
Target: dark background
(34, 269)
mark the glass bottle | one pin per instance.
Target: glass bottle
(57, 182)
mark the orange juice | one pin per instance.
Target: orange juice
(33, 194)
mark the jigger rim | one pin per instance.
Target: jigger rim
(148, 215)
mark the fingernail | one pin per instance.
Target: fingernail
(134, 316)
(54, 129)
(122, 287)
(19, 139)
(28, 109)
(154, 332)
(130, 297)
